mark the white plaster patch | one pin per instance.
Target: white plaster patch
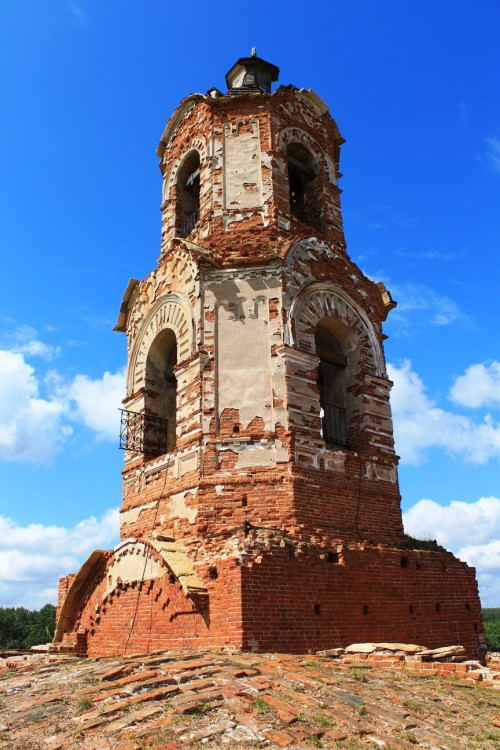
(383, 473)
(243, 357)
(132, 515)
(179, 507)
(242, 169)
(306, 458)
(256, 454)
(132, 567)
(334, 462)
(186, 463)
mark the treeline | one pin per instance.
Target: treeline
(491, 619)
(492, 613)
(24, 628)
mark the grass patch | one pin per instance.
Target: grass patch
(261, 706)
(410, 542)
(322, 720)
(83, 704)
(357, 674)
(313, 664)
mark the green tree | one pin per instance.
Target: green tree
(492, 632)
(490, 613)
(23, 628)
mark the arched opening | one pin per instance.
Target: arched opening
(303, 185)
(331, 344)
(188, 195)
(161, 396)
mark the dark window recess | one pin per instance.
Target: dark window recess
(405, 562)
(467, 606)
(317, 609)
(143, 433)
(185, 227)
(365, 609)
(155, 428)
(332, 383)
(333, 557)
(438, 608)
(188, 195)
(303, 184)
(411, 609)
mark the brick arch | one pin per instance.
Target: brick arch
(162, 573)
(326, 300)
(173, 312)
(298, 135)
(196, 144)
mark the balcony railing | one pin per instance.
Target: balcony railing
(334, 424)
(186, 227)
(309, 215)
(143, 433)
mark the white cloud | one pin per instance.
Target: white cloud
(31, 428)
(428, 255)
(471, 530)
(493, 152)
(431, 307)
(420, 425)
(458, 524)
(78, 13)
(479, 386)
(36, 348)
(25, 340)
(33, 557)
(97, 402)
(38, 415)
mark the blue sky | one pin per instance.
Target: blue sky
(86, 89)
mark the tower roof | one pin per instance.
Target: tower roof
(251, 74)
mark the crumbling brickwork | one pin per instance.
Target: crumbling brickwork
(261, 505)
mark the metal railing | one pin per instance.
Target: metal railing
(334, 424)
(186, 227)
(309, 215)
(143, 433)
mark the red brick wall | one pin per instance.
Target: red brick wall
(290, 596)
(157, 614)
(282, 593)
(64, 584)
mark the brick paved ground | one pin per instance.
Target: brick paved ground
(208, 699)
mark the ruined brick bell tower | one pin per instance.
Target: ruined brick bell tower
(261, 506)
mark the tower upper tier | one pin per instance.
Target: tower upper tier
(251, 164)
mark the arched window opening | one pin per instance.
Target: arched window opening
(303, 184)
(332, 382)
(188, 195)
(161, 396)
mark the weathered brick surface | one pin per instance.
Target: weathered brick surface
(304, 697)
(278, 540)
